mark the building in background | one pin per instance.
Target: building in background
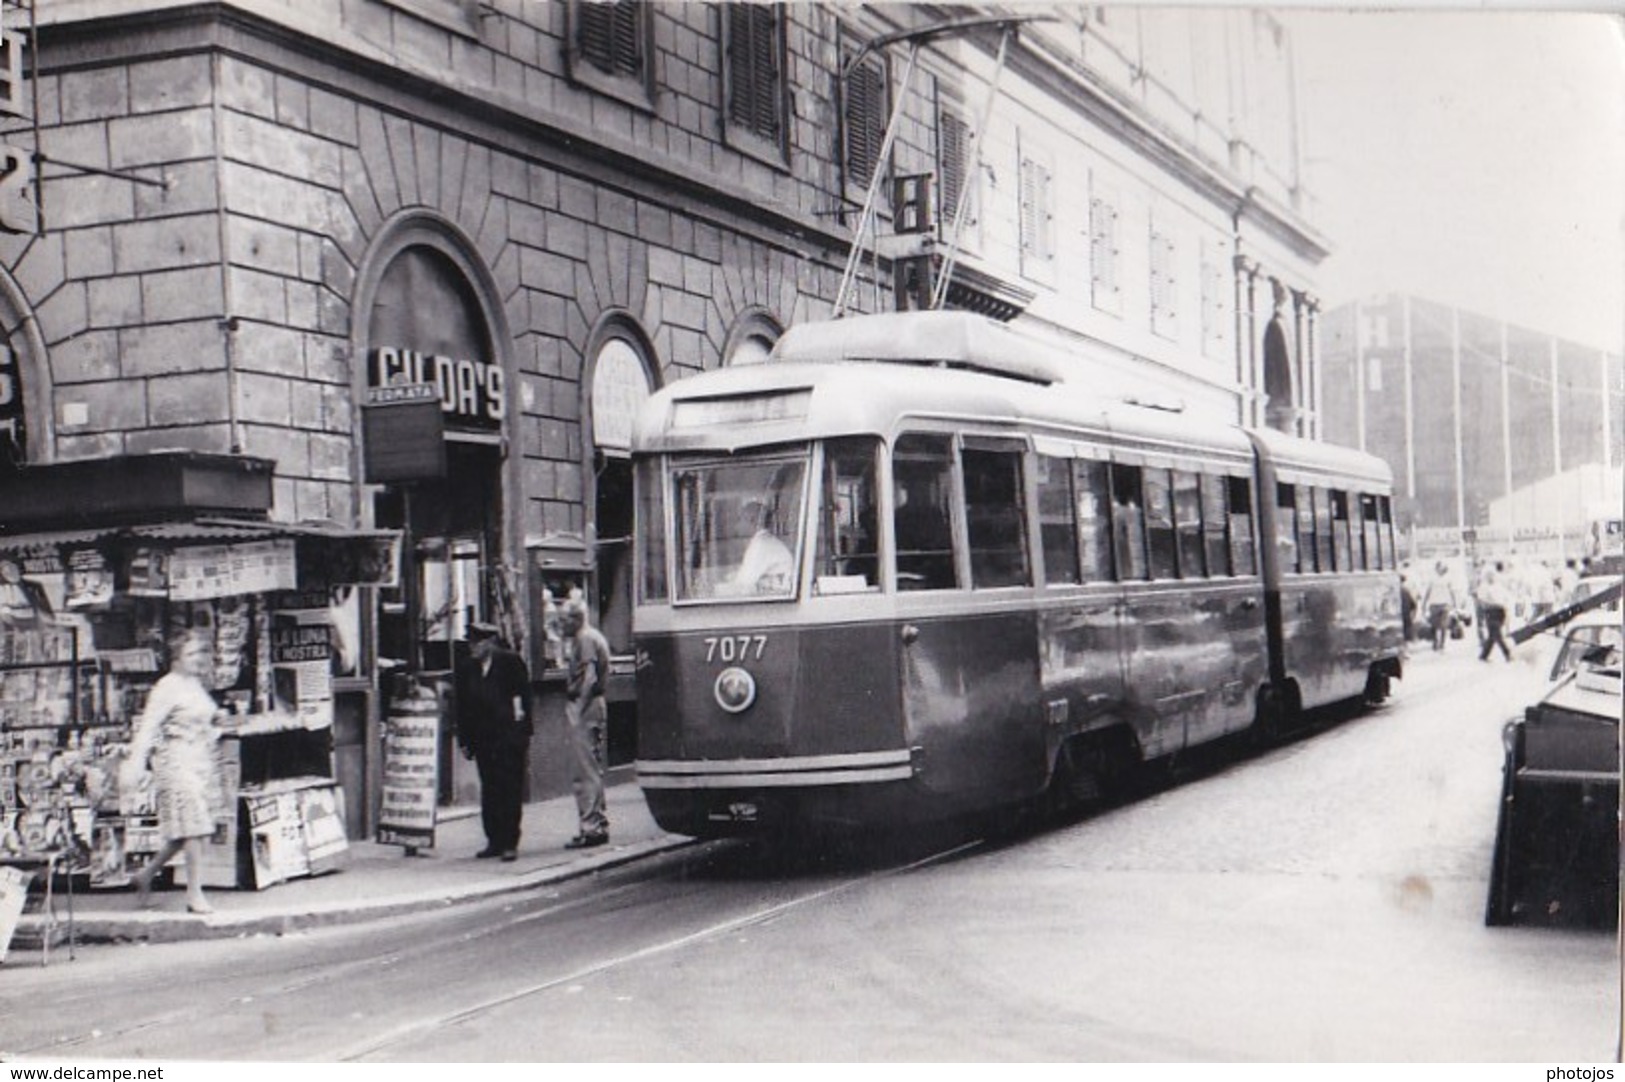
(228, 225)
(1501, 438)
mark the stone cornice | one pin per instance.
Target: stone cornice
(354, 70)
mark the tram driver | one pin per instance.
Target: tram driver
(768, 566)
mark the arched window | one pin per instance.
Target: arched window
(751, 339)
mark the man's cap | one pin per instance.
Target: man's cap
(481, 630)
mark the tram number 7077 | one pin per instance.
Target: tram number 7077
(731, 648)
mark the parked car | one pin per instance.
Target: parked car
(1557, 835)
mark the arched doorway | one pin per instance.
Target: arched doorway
(622, 368)
(1279, 411)
(426, 312)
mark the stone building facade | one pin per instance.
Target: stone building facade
(245, 215)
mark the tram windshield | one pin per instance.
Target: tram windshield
(738, 527)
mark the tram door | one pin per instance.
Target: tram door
(970, 675)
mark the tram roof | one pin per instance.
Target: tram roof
(1312, 460)
(882, 373)
(961, 340)
(784, 400)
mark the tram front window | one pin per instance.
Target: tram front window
(738, 527)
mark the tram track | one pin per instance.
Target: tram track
(278, 992)
(416, 1028)
(302, 977)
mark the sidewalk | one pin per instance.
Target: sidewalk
(376, 881)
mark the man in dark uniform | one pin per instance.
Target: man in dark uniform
(493, 729)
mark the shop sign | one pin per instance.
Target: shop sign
(403, 433)
(472, 393)
(18, 214)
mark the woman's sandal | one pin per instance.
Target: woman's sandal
(202, 910)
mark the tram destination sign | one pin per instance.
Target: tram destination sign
(403, 433)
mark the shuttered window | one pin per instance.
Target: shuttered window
(607, 35)
(1105, 288)
(609, 48)
(1164, 283)
(753, 50)
(1216, 291)
(863, 122)
(953, 159)
(1037, 214)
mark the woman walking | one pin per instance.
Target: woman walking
(177, 732)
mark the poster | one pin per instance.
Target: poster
(302, 665)
(203, 572)
(13, 892)
(90, 579)
(276, 838)
(411, 773)
(321, 811)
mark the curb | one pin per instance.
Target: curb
(149, 927)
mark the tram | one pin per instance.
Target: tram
(911, 567)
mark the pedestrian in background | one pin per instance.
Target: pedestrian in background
(587, 655)
(1492, 607)
(176, 736)
(493, 729)
(1440, 603)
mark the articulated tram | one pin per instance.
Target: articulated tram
(905, 570)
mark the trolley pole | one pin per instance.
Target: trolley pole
(915, 38)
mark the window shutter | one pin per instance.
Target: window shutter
(1103, 252)
(1029, 208)
(865, 122)
(953, 145)
(753, 69)
(607, 36)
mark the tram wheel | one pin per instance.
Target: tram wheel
(1274, 717)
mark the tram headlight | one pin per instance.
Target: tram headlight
(735, 690)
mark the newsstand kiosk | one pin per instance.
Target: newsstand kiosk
(100, 562)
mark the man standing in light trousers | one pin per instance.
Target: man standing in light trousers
(587, 654)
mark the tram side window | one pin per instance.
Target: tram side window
(1286, 527)
(1323, 528)
(1092, 490)
(1369, 526)
(1057, 524)
(1243, 550)
(1159, 524)
(1385, 532)
(848, 533)
(1304, 503)
(1188, 524)
(995, 514)
(1215, 522)
(1128, 522)
(1342, 539)
(922, 474)
(651, 528)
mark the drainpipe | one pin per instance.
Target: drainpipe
(228, 318)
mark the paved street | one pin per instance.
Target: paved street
(1321, 902)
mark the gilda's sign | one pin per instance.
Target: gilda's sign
(472, 393)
